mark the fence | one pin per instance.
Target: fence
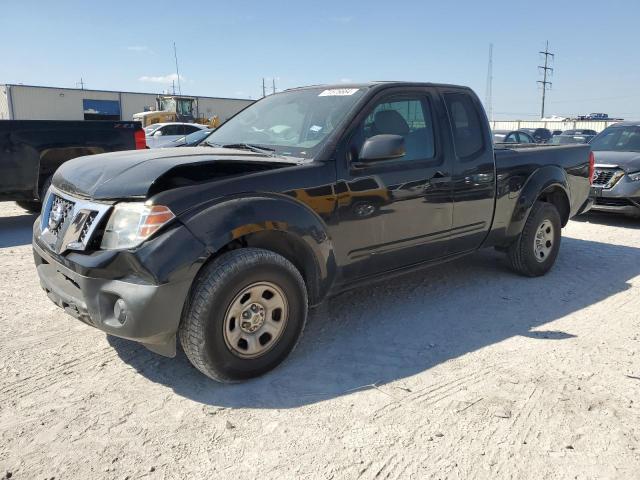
(597, 125)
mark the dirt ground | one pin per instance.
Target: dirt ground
(462, 371)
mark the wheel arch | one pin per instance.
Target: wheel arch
(547, 184)
(276, 223)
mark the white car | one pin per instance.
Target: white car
(160, 134)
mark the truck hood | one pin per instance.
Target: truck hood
(132, 173)
(627, 161)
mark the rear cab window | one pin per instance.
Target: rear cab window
(466, 126)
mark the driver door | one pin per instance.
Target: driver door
(397, 212)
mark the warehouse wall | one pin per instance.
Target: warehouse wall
(45, 103)
(5, 113)
(222, 107)
(31, 103)
(135, 103)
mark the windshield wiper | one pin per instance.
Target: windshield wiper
(250, 147)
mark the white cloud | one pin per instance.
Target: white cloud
(346, 80)
(161, 78)
(139, 48)
(341, 19)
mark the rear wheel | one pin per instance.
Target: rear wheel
(536, 249)
(246, 312)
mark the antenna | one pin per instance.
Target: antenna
(81, 83)
(488, 100)
(547, 71)
(175, 54)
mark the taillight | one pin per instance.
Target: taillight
(141, 140)
(592, 162)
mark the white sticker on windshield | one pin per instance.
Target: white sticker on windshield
(338, 92)
(315, 128)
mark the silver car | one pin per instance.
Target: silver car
(616, 182)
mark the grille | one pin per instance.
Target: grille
(70, 223)
(86, 228)
(61, 210)
(602, 177)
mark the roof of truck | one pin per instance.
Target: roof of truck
(379, 83)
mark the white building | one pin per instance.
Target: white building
(27, 102)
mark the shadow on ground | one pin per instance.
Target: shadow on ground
(16, 230)
(391, 331)
(611, 219)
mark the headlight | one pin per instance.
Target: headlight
(635, 176)
(130, 224)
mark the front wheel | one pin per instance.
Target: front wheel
(536, 249)
(246, 312)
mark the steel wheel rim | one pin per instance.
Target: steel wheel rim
(544, 241)
(255, 320)
(364, 209)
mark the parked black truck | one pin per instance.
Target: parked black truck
(301, 195)
(31, 150)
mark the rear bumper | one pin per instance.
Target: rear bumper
(131, 307)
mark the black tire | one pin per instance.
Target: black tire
(217, 285)
(521, 253)
(30, 206)
(34, 206)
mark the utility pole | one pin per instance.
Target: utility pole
(273, 81)
(264, 90)
(175, 54)
(81, 83)
(488, 100)
(547, 72)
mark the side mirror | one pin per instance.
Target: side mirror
(382, 147)
(158, 134)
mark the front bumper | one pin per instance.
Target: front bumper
(137, 295)
(623, 197)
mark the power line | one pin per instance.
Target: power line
(488, 100)
(546, 69)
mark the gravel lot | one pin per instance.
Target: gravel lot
(462, 371)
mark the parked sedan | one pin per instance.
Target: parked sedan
(160, 134)
(509, 136)
(190, 140)
(616, 180)
(540, 135)
(569, 139)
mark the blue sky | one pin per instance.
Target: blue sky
(225, 48)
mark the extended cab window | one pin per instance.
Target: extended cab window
(408, 117)
(465, 124)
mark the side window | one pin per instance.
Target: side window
(409, 117)
(170, 130)
(465, 123)
(511, 138)
(190, 129)
(524, 138)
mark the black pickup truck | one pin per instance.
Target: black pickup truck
(31, 150)
(300, 196)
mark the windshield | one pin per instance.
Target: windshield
(618, 139)
(293, 123)
(193, 138)
(149, 129)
